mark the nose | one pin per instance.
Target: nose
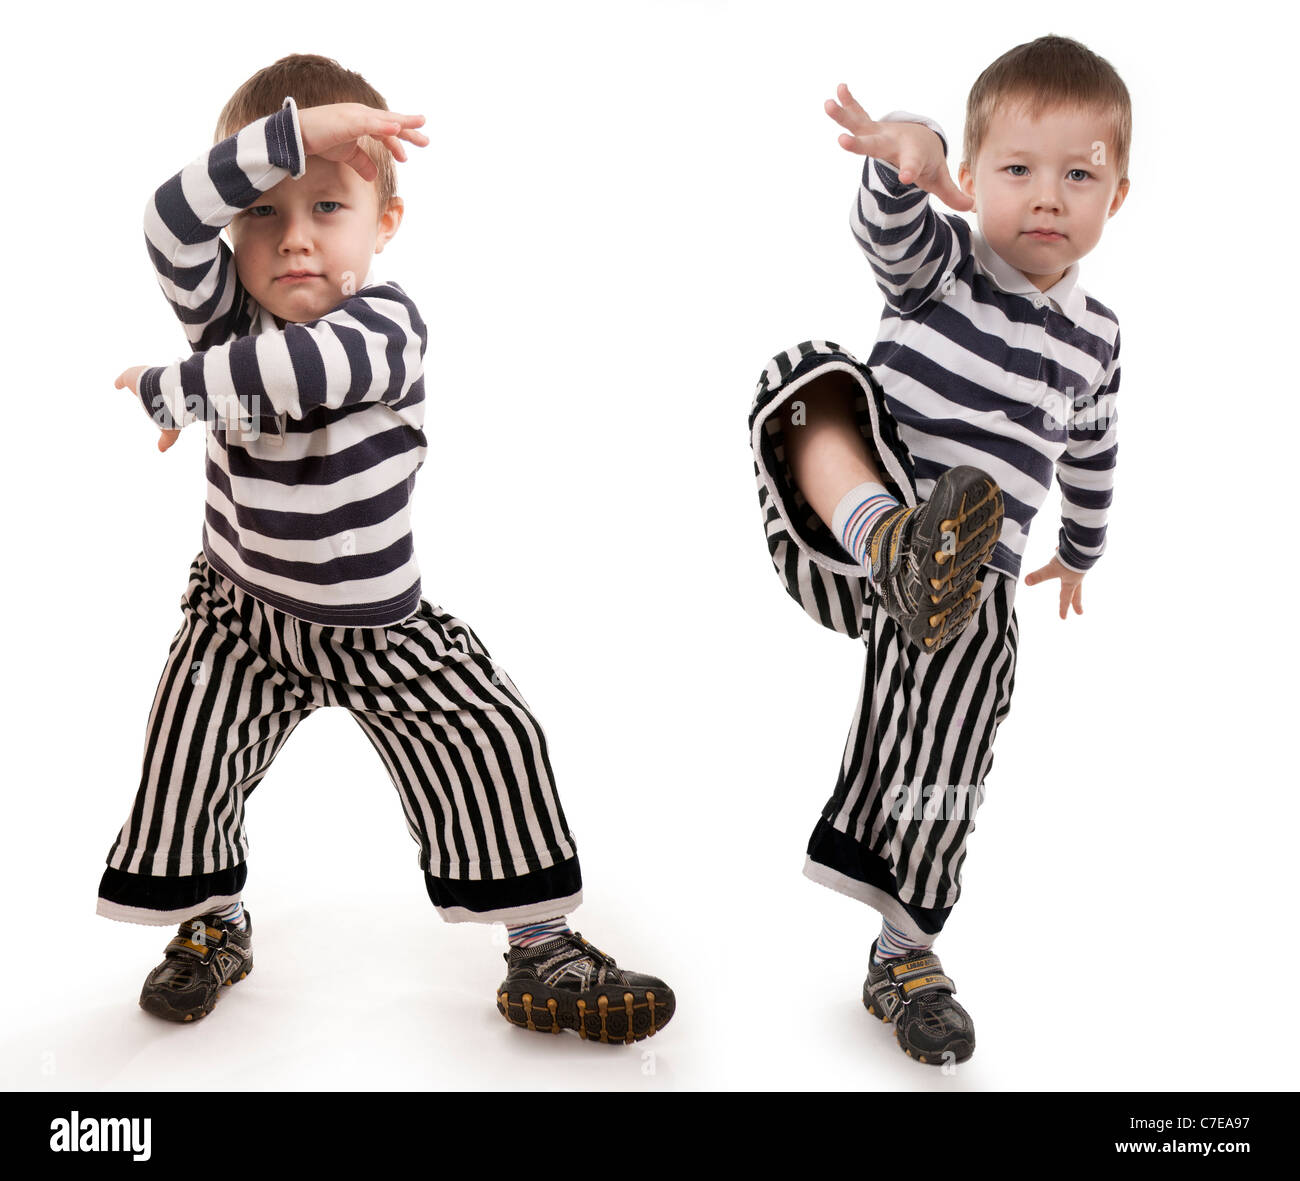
(1048, 197)
(295, 237)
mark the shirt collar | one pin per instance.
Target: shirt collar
(1066, 295)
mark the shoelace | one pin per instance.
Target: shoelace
(887, 547)
(576, 943)
(595, 951)
(887, 541)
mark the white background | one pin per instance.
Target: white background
(625, 210)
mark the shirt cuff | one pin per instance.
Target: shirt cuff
(909, 117)
(1068, 566)
(286, 130)
(150, 386)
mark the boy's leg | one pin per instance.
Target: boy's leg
(828, 453)
(823, 445)
(810, 561)
(894, 833)
(470, 764)
(224, 706)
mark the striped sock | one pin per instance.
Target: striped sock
(527, 934)
(860, 511)
(232, 914)
(893, 944)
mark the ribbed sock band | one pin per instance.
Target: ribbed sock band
(232, 914)
(893, 944)
(856, 516)
(527, 934)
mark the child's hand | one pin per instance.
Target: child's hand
(1071, 584)
(331, 131)
(130, 379)
(912, 148)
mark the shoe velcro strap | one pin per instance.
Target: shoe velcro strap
(925, 963)
(937, 982)
(214, 939)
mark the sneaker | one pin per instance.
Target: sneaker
(924, 560)
(914, 993)
(567, 983)
(205, 954)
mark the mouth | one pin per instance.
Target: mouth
(1044, 235)
(296, 276)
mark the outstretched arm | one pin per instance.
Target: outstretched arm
(368, 349)
(909, 244)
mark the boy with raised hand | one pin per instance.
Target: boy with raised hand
(886, 488)
(308, 372)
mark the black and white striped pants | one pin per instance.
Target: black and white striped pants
(467, 756)
(895, 830)
(894, 833)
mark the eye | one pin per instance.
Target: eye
(252, 211)
(337, 204)
(1009, 166)
(1085, 172)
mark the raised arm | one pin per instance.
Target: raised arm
(1086, 473)
(909, 244)
(368, 349)
(184, 217)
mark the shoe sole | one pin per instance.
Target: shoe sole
(960, 535)
(621, 1015)
(157, 1006)
(961, 1050)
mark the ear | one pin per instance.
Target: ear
(966, 182)
(1121, 191)
(388, 223)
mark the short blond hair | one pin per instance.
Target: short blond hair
(1044, 75)
(312, 81)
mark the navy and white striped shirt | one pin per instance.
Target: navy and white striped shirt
(980, 367)
(309, 499)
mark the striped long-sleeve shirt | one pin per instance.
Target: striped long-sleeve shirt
(309, 497)
(980, 367)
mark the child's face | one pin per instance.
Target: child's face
(1058, 172)
(326, 222)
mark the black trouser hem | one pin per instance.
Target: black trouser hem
(840, 852)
